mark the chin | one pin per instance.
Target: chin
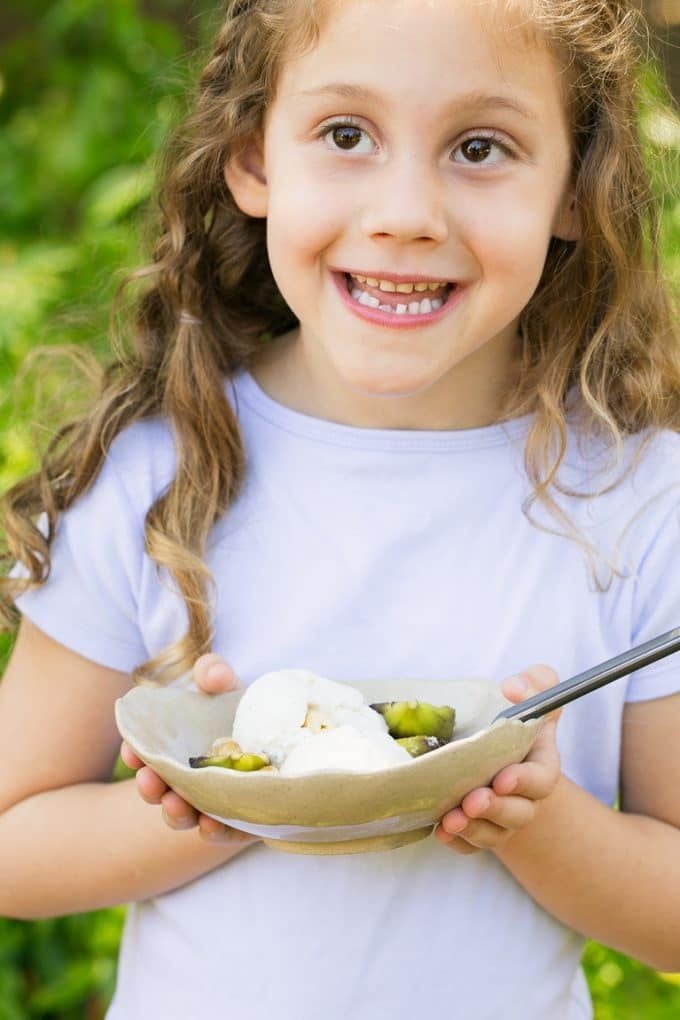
(385, 388)
(371, 381)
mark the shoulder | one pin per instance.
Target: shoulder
(642, 466)
(653, 491)
(650, 478)
(623, 497)
(141, 460)
(136, 468)
(656, 460)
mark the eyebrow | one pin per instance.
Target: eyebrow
(478, 100)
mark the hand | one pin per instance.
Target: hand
(212, 675)
(489, 816)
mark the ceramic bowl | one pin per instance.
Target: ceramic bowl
(327, 812)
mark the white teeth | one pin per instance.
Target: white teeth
(424, 307)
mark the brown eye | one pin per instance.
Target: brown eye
(346, 137)
(476, 150)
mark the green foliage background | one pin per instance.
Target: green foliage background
(88, 90)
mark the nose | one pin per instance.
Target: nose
(406, 204)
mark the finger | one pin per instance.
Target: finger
(177, 813)
(529, 681)
(216, 832)
(130, 758)
(150, 786)
(478, 833)
(454, 821)
(511, 813)
(484, 835)
(454, 843)
(537, 775)
(210, 828)
(533, 680)
(213, 675)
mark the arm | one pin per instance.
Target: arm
(71, 840)
(612, 875)
(615, 876)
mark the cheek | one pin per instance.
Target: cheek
(302, 224)
(305, 219)
(509, 238)
(304, 216)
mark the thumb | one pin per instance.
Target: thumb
(530, 681)
(213, 675)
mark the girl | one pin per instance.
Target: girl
(402, 400)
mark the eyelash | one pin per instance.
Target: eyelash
(497, 141)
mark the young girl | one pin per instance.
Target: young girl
(402, 401)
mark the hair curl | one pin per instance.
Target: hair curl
(600, 323)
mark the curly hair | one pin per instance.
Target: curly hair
(599, 324)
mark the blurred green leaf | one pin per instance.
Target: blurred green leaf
(623, 989)
(115, 194)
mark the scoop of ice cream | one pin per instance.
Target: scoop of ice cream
(344, 748)
(284, 709)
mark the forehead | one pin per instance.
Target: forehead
(520, 20)
(432, 44)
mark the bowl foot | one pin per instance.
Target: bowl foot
(352, 846)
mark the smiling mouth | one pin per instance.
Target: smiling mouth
(418, 297)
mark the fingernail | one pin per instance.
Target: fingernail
(216, 672)
(518, 685)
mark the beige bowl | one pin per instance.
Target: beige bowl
(327, 812)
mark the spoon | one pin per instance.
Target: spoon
(597, 676)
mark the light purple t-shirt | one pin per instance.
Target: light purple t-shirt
(361, 553)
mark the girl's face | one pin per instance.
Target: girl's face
(415, 165)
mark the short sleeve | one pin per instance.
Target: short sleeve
(657, 609)
(90, 601)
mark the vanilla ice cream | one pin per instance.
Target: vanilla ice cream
(295, 715)
(344, 748)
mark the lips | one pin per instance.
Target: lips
(395, 301)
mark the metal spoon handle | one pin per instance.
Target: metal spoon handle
(598, 676)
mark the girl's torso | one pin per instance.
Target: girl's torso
(362, 554)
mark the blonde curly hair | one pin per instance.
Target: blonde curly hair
(600, 323)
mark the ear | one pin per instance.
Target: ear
(246, 180)
(567, 226)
